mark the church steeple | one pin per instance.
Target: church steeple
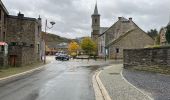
(96, 20)
(95, 26)
(96, 10)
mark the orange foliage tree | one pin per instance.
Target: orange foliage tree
(73, 48)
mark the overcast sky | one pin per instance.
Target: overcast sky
(73, 17)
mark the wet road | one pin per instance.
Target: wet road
(70, 80)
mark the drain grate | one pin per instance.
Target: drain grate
(114, 73)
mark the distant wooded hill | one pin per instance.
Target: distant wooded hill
(52, 40)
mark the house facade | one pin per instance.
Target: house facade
(3, 21)
(3, 29)
(24, 39)
(123, 34)
(162, 35)
(23, 36)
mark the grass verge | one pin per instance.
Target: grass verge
(154, 69)
(15, 70)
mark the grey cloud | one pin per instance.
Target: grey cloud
(73, 17)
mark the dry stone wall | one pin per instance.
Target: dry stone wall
(147, 57)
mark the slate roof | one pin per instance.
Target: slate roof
(23, 18)
(3, 7)
(120, 38)
(103, 29)
(62, 45)
(123, 19)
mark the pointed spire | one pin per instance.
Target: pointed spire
(96, 9)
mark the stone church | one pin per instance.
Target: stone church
(123, 34)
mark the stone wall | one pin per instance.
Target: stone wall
(3, 21)
(147, 57)
(3, 60)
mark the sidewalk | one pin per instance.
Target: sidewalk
(117, 87)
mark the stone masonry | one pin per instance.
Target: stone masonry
(133, 39)
(147, 57)
(123, 34)
(3, 21)
(3, 28)
(23, 36)
(24, 39)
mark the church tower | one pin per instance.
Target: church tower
(95, 25)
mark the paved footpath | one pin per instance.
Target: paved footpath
(118, 88)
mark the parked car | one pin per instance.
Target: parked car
(62, 57)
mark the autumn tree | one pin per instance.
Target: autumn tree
(89, 46)
(73, 48)
(168, 34)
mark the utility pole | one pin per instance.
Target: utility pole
(46, 27)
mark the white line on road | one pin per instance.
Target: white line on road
(134, 86)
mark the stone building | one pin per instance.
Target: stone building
(24, 39)
(123, 34)
(3, 21)
(3, 28)
(53, 49)
(23, 36)
(96, 29)
(95, 26)
(162, 35)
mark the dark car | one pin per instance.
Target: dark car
(63, 57)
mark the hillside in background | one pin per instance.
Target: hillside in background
(52, 40)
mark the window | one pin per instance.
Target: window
(0, 15)
(2, 48)
(39, 30)
(95, 20)
(117, 50)
(4, 36)
(101, 49)
(4, 19)
(13, 44)
(38, 48)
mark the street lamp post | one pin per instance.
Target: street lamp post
(46, 27)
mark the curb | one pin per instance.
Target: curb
(97, 91)
(18, 76)
(100, 91)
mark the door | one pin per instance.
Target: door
(12, 60)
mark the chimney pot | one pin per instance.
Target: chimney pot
(20, 15)
(130, 18)
(119, 18)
